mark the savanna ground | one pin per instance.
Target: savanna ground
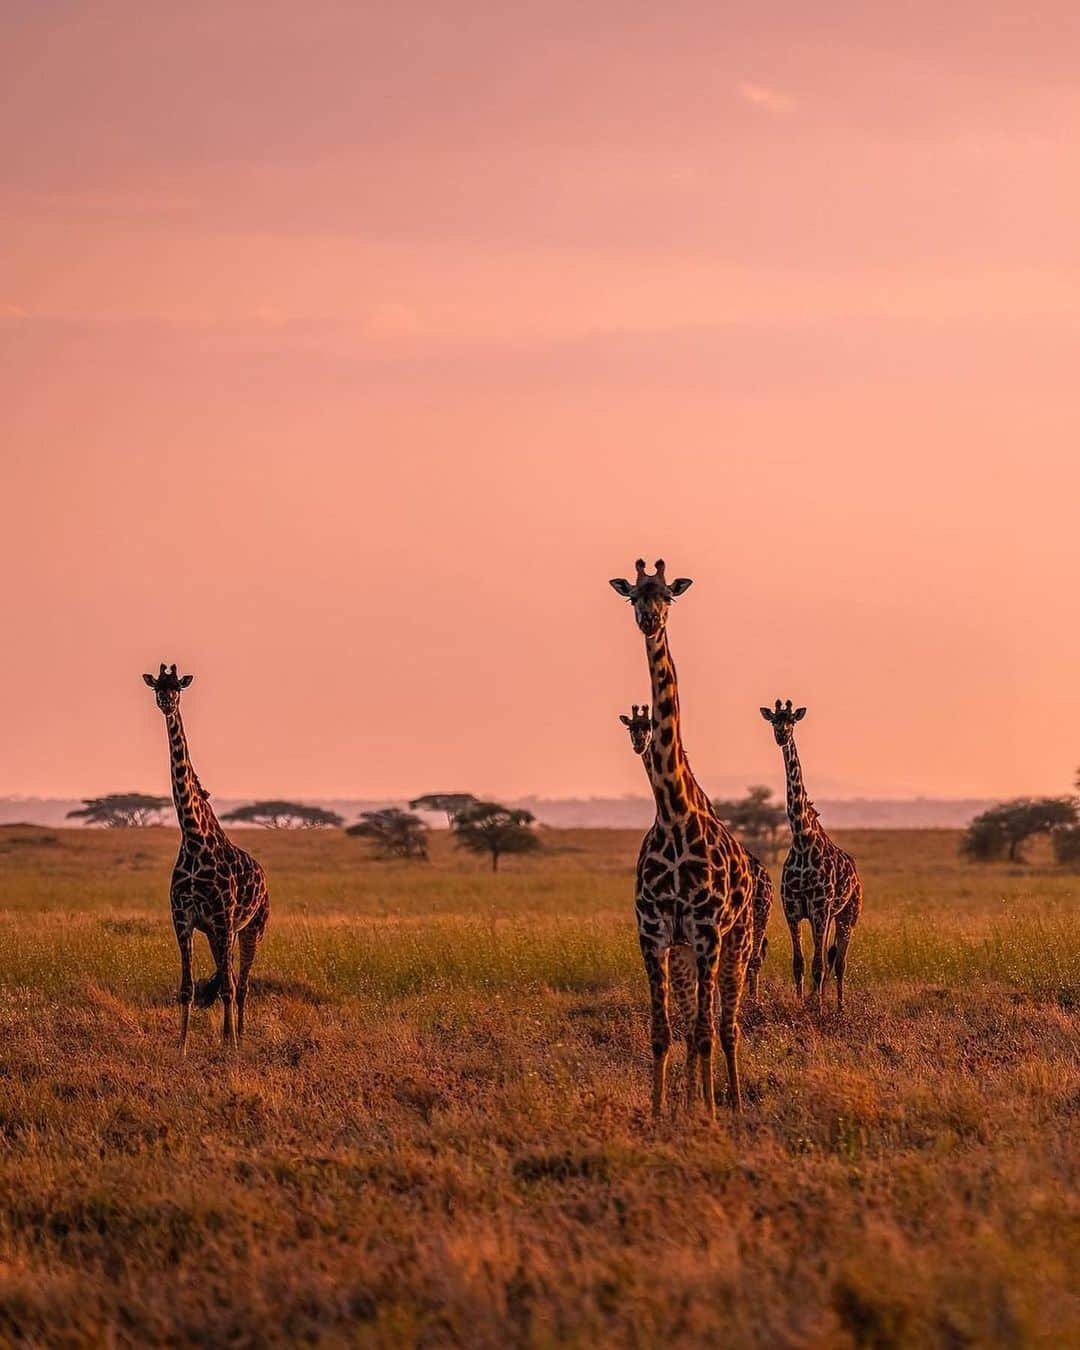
(437, 1132)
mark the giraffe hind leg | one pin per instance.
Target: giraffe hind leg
(845, 926)
(248, 940)
(734, 959)
(221, 944)
(684, 986)
(707, 955)
(656, 970)
(207, 991)
(187, 988)
(798, 963)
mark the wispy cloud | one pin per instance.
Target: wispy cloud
(761, 96)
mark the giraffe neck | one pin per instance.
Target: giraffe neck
(193, 811)
(800, 817)
(674, 786)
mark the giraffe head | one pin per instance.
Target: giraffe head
(783, 718)
(639, 725)
(651, 596)
(167, 686)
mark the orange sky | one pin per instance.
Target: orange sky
(346, 351)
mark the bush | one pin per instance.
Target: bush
(1002, 831)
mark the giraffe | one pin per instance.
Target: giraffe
(639, 725)
(216, 888)
(693, 877)
(820, 882)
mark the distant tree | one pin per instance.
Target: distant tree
(283, 816)
(488, 827)
(757, 819)
(451, 803)
(395, 833)
(1002, 831)
(1067, 841)
(120, 809)
(1067, 845)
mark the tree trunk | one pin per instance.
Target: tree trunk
(494, 859)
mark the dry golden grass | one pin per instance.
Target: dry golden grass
(437, 1133)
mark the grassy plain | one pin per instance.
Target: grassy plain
(437, 1132)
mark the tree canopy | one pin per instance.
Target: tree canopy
(1002, 831)
(757, 818)
(395, 833)
(450, 803)
(119, 809)
(274, 815)
(488, 827)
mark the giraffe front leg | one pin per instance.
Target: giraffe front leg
(187, 983)
(684, 988)
(735, 955)
(798, 964)
(707, 956)
(753, 968)
(247, 943)
(228, 995)
(656, 969)
(222, 947)
(845, 926)
(817, 964)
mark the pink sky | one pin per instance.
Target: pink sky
(346, 351)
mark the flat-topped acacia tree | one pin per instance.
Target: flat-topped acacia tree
(488, 827)
(119, 809)
(275, 815)
(450, 803)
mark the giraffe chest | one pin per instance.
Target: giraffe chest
(676, 859)
(216, 884)
(815, 877)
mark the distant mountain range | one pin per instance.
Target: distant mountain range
(915, 813)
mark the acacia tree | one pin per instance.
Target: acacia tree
(395, 833)
(1002, 831)
(488, 827)
(120, 809)
(450, 803)
(757, 819)
(1067, 841)
(283, 816)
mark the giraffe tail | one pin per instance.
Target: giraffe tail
(831, 959)
(207, 991)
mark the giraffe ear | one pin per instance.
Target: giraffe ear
(680, 584)
(624, 719)
(150, 681)
(620, 586)
(185, 680)
(800, 713)
(766, 713)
